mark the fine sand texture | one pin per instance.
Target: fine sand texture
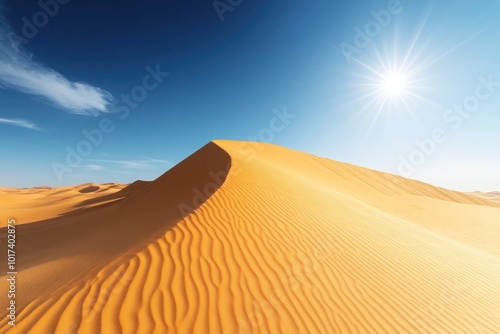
(254, 238)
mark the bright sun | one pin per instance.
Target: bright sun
(394, 85)
(390, 85)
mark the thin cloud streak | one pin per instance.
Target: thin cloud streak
(20, 72)
(135, 164)
(92, 167)
(20, 123)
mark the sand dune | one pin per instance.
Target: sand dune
(254, 238)
(492, 196)
(33, 204)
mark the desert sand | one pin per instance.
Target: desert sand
(492, 196)
(34, 204)
(254, 238)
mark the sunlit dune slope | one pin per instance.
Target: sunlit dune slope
(254, 238)
(32, 204)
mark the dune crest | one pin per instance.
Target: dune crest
(254, 238)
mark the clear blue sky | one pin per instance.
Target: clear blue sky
(355, 81)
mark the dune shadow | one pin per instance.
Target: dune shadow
(106, 232)
(106, 199)
(89, 189)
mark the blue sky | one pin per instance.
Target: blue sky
(95, 91)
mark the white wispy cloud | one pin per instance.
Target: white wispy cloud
(20, 122)
(19, 71)
(148, 163)
(91, 167)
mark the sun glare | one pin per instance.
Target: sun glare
(394, 84)
(392, 80)
(390, 84)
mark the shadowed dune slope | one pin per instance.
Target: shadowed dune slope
(254, 238)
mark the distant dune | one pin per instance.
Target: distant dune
(254, 238)
(34, 204)
(492, 196)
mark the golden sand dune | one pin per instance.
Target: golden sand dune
(254, 238)
(492, 196)
(29, 205)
